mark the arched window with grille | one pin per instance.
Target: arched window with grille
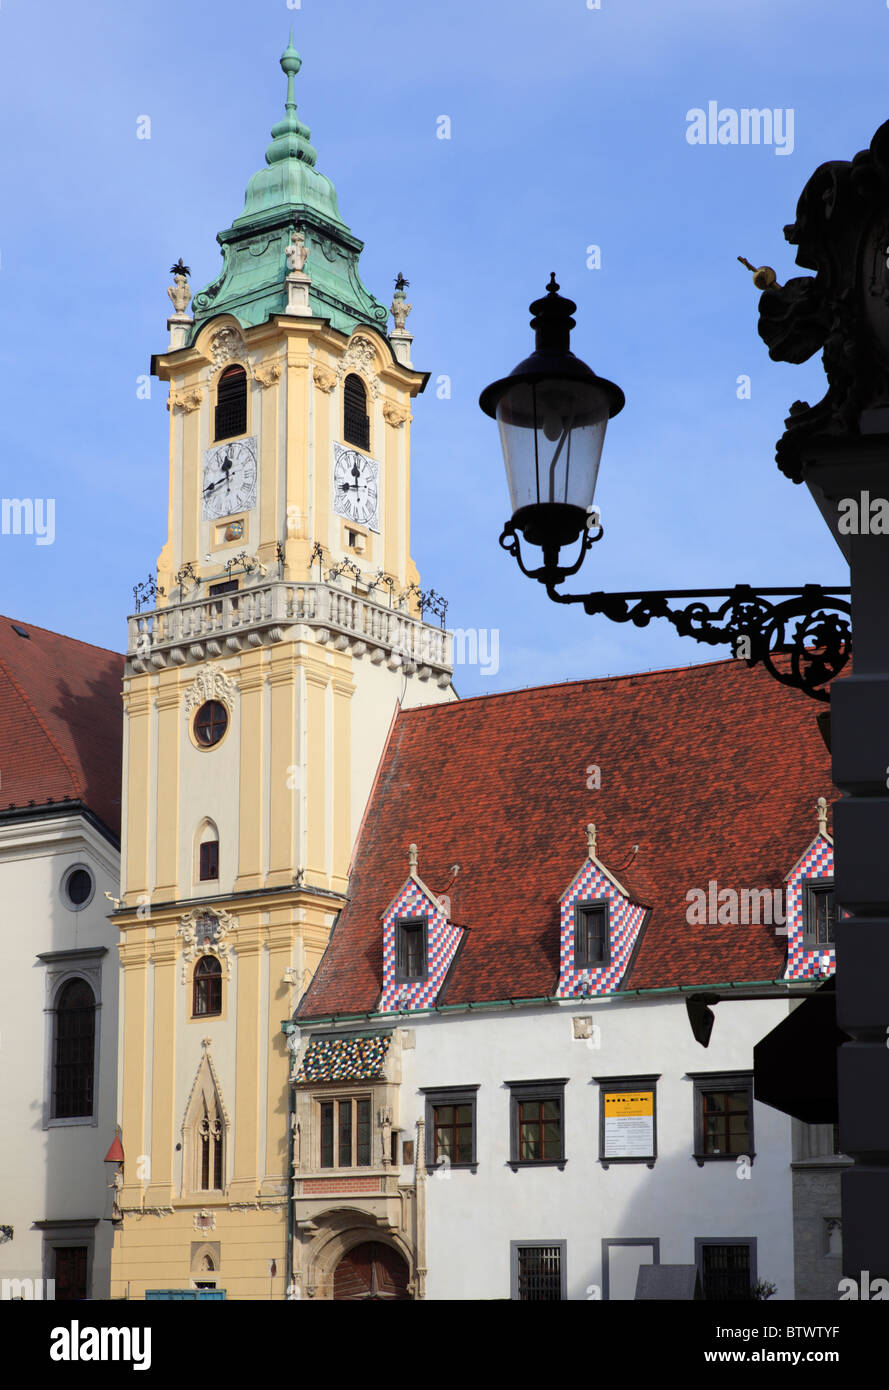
(231, 404)
(207, 988)
(356, 425)
(74, 1052)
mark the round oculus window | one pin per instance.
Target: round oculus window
(78, 887)
(210, 723)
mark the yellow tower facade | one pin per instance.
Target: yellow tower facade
(287, 626)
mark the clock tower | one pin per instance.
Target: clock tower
(285, 626)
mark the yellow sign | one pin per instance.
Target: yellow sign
(629, 1124)
(629, 1103)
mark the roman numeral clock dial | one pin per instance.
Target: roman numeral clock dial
(229, 478)
(356, 490)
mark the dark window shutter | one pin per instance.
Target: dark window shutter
(231, 404)
(356, 425)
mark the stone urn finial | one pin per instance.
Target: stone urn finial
(180, 291)
(400, 308)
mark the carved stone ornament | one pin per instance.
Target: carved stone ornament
(361, 356)
(203, 933)
(842, 232)
(225, 345)
(395, 414)
(205, 1221)
(210, 684)
(324, 379)
(180, 293)
(400, 310)
(186, 400)
(297, 253)
(268, 373)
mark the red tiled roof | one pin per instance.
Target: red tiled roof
(61, 722)
(713, 770)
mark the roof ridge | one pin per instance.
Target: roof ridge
(51, 632)
(580, 680)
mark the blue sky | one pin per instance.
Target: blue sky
(568, 129)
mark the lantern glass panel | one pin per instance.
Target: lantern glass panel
(552, 433)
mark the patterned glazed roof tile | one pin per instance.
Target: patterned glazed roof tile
(344, 1059)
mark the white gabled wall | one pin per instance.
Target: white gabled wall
(55, 1173)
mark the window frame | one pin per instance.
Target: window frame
(450, 1095)
(336, 1099)
(516, 1246)
(584, 905)
(228, 370)
(67, 876)
(702, 1241)
(418, 920)
(811, 889)
(613, 1085)
(206, 957)
(355, 443)
(519, 1092)
(84, 963)
(206, 846)
(205, 705)
(720, 1081)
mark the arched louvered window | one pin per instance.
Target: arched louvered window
(207, 996)
(231, 404)
(210, 1137)
(74, 1051)
(356, 425)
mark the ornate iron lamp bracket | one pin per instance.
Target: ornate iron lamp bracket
(809, 627)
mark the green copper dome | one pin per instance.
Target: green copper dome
(287, 195)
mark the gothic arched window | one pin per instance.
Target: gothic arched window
(210, 1137)
(74, 1051)
(207, 995)
(356, 425)
(231, 404)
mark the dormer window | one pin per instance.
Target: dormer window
(819, 912)
(356, 425)
(592, 945)
(231, 404)
(410, 949)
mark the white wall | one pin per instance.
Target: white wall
(56, 1172)
(473, 1217)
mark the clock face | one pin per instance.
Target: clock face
(356, 490)
(229, 480)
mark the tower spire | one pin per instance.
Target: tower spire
(290, 137)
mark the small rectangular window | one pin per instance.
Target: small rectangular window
(363, 1144)
(723, 1118)
(537, 1129)
(209, 860)
(538, 1271)
(410, 949)
(345, 1134)
(726, 1270)
(592, 946)
(819, 912)
(327, 1134)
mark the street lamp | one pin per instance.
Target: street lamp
(553, 411)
